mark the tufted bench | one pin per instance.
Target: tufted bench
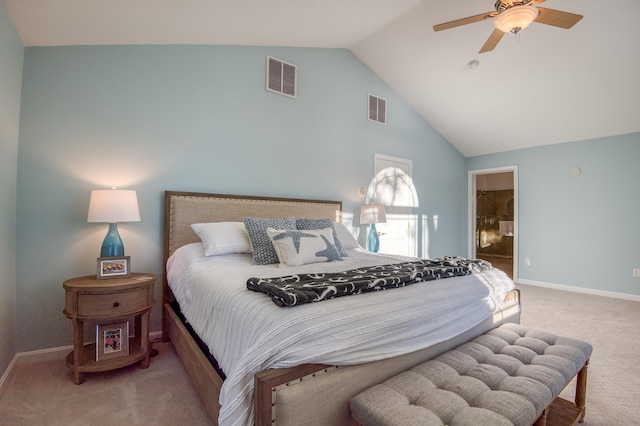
(511, 375)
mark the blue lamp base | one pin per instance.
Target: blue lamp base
(112, 245)
(373, 241)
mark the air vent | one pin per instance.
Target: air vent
(281, 77)
(377, 109)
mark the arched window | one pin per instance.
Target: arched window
(393, 188)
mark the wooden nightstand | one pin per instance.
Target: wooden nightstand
(102, 303)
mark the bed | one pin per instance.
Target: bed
(310, 383)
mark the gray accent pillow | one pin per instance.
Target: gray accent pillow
(318, 224)
(261, 246)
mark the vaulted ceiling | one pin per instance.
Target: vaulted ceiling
(549, 85)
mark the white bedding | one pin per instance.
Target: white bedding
(248, 333)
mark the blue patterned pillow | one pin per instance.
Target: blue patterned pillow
(316, 224)
(263, 251)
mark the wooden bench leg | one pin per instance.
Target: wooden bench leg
(581, 391)
(542, 420)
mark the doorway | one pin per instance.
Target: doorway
(493, 217)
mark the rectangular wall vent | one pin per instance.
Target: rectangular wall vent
(281, 77)
(377, 109)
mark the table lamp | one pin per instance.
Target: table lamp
(372, 214)
(112, 206)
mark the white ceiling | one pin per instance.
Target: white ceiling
(552, 86)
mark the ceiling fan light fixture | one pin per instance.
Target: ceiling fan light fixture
(515, 19)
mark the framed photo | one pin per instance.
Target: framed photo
(113, 267)
(112, 340)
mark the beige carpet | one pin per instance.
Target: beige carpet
(43, 393)
(612, 327)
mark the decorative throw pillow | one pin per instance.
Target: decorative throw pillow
(222, 237)
(296, 247)
(263, 251)
(346, 237)
(315, 224)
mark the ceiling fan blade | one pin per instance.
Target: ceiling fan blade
(557, 18)
(537, 1)
(463, 21)
(492, 41)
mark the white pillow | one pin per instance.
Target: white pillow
(223, 237)
(299, 247)
(347, 238)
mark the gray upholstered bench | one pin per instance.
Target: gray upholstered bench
(511, 375)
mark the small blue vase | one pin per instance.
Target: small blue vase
(373, 241)
(112, 245)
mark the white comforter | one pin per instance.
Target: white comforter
(247, 332)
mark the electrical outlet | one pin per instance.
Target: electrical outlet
(636, 273)
(361, 192)
(527, 261)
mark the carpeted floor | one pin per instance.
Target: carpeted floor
(611, 326)
(43, 393)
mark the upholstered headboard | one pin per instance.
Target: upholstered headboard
(185, 208)
(181, 209)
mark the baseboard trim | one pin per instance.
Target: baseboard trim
(155, 336)
(7, 375)
(45, 355)
(573, 289)
(29, 357)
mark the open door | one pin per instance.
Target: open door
(493, 217)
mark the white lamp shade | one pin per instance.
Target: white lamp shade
(372, 213)
(515, 19)
(113, 206)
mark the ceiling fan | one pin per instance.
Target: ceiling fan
(512, 16)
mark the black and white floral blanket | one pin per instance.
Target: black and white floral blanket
(298, 289)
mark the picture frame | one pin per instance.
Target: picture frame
(112, 340)
(113, 267)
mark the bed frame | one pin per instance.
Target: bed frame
(281, 396)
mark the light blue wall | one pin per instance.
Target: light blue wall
(580, 231)
(11, 56)
(197, 118)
